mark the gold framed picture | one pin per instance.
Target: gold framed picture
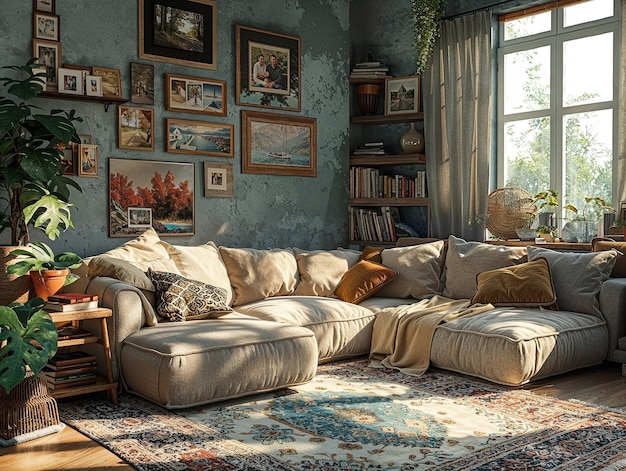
(87, 160)
(135, 130)
(111, 81)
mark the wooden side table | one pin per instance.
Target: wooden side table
(107, 384)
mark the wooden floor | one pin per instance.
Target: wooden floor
(69, 450)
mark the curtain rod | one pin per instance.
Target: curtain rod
(471, 12)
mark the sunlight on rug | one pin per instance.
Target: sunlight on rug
(351, 417)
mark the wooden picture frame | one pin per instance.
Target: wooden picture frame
(149, 176)
(46, 6)
(48, 53)
(71, 81)
(295, 154)
(195, 95)
(45, 26)
(93, 85)
(141, 83)
(88, 160)
(199, 137)
(250, 44)
(68, 161)
(111, 81)
(218, 180)
(193, 48)
(135, 128)
(402, 95)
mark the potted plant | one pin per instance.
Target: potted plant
(547, 232)
(546, 202)
(48, 272)
(585, 222)
(34, 190)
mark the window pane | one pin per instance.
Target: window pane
(527, 154)
(587, 11)
(588, 70)
(527, 80)
(527, 26)
(588, 156)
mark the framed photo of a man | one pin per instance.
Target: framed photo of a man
(142, 83)
(49, 55)
(218, 180)
(268, 69)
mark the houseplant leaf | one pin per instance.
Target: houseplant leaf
(50, 214)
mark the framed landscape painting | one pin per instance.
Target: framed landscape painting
(199, 137)
(402, 95)
(145, 193)
(268, 69)
(195, 95)
(135, 128)
(182, 32)
(278, 144)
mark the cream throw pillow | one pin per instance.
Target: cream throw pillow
(419, 270)
(465, 260)
(201, 263)
(258, 274)
(143, 248)
(321, 270)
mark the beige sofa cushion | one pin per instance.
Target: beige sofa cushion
(321, 270)
(201, 263)
(419, 270)
(257, 274)
(465, 260)
(143, 248)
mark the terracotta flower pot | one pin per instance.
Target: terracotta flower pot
(48, 282)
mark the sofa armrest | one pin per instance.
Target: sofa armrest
(129, 315)
(613, 307)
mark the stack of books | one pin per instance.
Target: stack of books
(370, 148)
(66, 370)
(370, 70)
(68, 302)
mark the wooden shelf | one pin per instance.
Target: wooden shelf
(390, 119)
(101, 384)
(381, 160)
(373, 243)
(79, 341)
(388, 202)
(361, 81)
(106, 101)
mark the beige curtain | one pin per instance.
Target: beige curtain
(620, 191)
(457, 127)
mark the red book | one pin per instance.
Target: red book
(72, 298)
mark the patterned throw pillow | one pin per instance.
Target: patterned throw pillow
(180, 299)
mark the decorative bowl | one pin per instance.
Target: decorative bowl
(525, 233)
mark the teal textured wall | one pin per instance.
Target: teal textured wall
(267, 211)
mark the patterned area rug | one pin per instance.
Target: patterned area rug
(351, 417)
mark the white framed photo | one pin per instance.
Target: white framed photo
(93, 85)
(402, 95)
(70, 81)
(139, 217)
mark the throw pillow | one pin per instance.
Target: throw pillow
(201, 263)
(619, 269)
(373, 254)
(143, 248)
(363, 280)
(320, 271)
(180, 299)
(577, 277)
(258, 274)
(525, 285)
(132, 273)
(419, 270)
(465, 260)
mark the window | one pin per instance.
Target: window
(558, 99)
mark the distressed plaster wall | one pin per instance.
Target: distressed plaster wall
(267, 211)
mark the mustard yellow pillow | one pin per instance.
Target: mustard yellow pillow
(525, 285)
(373, 254)
(363, 280)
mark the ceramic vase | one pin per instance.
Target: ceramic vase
(367, 98)
(412, 142)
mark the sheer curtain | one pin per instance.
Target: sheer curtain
(457, 128)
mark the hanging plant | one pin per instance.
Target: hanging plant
(426, 17)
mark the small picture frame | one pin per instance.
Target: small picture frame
(139, 217)
(45, 26)
(68, 161)
(48, 53)
(142, 83)
(88, 160)
(70, 81)
(402, 95)
(218, 180)
(195, 95)
(46, 6)
(93, 85)
(135, 128)
(111, 81)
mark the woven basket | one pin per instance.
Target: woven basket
(509, 209)
(27, 408)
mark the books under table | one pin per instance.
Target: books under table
(68, 360)
(72, 298)
(69, 307)
(71, 381)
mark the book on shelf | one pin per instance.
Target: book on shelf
(81, 370)
(370, 75)
(368, 70)
(368, 64)
(68, 368)
(73, 378)
(72, 298)
(70, 358)
(66, 307)
(79, 382)
(68, 332)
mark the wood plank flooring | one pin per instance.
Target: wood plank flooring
(69, 450)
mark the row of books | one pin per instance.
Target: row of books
(370, 148)
(70, 369)
(374, 224)
(370, 70)
(70, 302)
(368, 182)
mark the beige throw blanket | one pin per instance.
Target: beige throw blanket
(403, 335)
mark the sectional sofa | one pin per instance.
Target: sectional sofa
(198, 324)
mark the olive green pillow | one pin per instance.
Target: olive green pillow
(525, 285)
(363, 280)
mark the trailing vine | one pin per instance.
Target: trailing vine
(426, 17)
